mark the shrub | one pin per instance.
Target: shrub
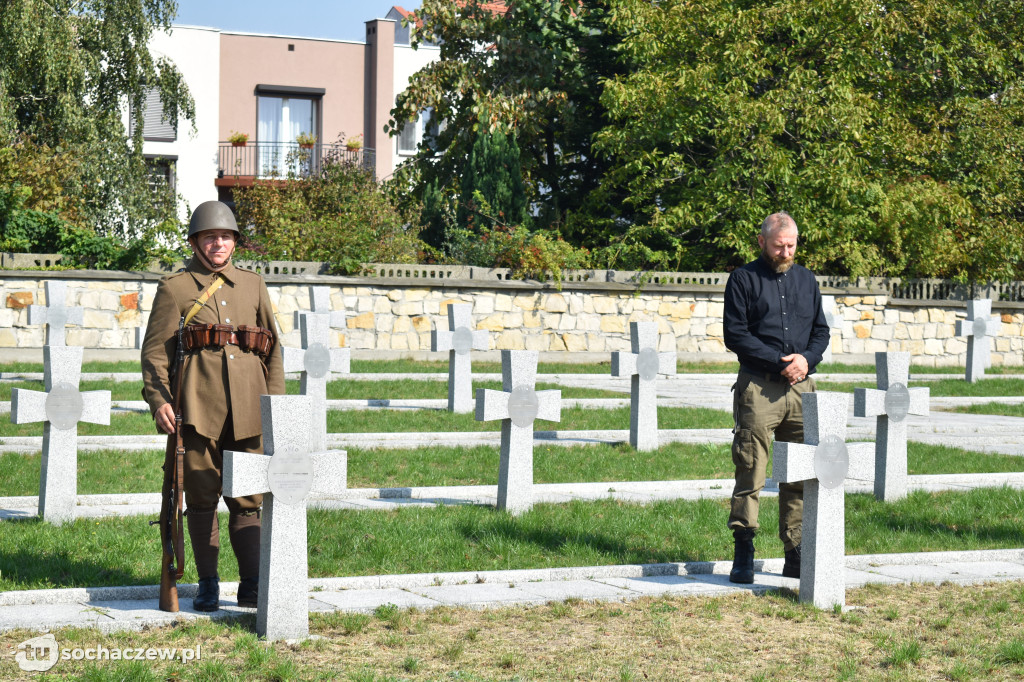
(339, 216)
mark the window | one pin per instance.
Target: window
(284, 113)
(422, 130)
(161, 173)
(155, 128)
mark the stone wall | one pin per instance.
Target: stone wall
(396, 315)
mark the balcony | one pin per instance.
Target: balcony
(240, 166)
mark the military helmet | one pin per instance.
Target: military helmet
(212, 215)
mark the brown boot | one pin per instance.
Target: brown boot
(244, 531)
(204, 532)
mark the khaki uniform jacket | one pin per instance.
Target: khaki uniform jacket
(219, 383)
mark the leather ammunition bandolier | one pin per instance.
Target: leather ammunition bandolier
(249, 339)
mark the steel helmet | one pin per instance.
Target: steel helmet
(212, 215)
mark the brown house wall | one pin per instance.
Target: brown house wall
(337, 67)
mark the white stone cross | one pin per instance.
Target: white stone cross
(55, 314)
(61, 406)
(320, 304)
(823, 462)
(518, 404)
(979, 325)
(289, 471)
(828, 305)
(643, 366)
(316, 362)
(459, 340)
(890, 404)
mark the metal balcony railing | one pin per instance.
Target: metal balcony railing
(281, 160)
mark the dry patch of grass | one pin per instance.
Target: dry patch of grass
(916, 632)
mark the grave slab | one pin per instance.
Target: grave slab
(478, 596)
(890, 404)
(55, 314)
(517, 405)
(587, 590)
(823, 463)
(286, 475)
(642, 366)
(979, 328)
(61, 407)
(459, 340)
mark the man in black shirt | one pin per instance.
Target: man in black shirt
(774, 322)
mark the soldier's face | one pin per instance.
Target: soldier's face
(779, 248)
(215, 245)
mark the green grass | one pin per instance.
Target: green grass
(124, 551)
(990, 408)
(118, 472)
(438, 420)
(336, 390)
(942, 387)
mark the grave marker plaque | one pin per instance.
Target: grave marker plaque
(890, 404)
(823, 462)
(643, 365)
(61, 407)
(979, 328)
(518, 404)
(459, 340)
(289, 471)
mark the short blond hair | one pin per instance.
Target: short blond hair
(777, 221)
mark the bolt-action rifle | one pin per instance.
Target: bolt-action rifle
(171, 522)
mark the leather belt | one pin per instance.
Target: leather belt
(767, 376)
(249, 339)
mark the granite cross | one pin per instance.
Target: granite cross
(823, 462)
(890, 404)
(458, 341)
(316, 362)
(320, 304)
(828, 305)
(979, 325)
(61, 406)
(518, 404)
(55, 314)
(643, 366)
(289, 471)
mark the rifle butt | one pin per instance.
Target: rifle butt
(168, 586)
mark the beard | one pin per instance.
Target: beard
(779, 264)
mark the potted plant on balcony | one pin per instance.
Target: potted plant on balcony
(354, 143)
(238, 139)
(306, 140)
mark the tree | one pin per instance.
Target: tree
(891, 131)
(493, 171)
(533, 73)
(68, 71)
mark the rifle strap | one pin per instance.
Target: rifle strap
(204, 297)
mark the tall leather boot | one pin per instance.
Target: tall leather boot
(204, 532)
(791, 568)
(244, 531)
(743, 558)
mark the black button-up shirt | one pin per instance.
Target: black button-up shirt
(769, 315)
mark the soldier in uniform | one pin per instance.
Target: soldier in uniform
(233, 356)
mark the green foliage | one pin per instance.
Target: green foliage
(538, 78)
(340, 217)
(494, 172)
(67, 70)
(890, 131)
